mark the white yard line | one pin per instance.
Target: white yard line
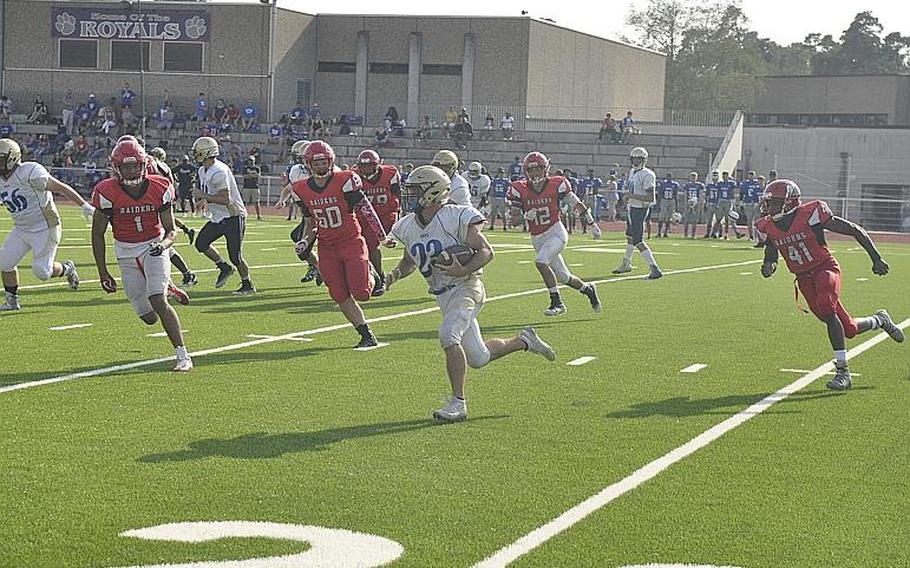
(694, 368)
(66, 327)
(330, 328)
(508, 554)
(805, 371)
(581, 361)
(257, 336)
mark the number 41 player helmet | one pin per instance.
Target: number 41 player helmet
(780, 198)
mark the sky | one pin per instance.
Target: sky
(784, 21)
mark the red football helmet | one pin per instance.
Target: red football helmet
(368, 163)
(321, 151)
(129, 163)
(539, 163)
(780, 198)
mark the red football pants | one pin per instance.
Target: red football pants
(345, 268)
(821, 288)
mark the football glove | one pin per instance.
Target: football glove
(88, 211)
(595, 232)
(768, 268)
(880, 267)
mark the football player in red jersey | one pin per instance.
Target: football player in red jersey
(796, 230)
(382, 186)
(139, 208)
(539, 196)
(333, 204)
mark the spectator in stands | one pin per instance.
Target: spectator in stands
(424, 130)
(202, 108)
(406, 171)
(344, 129)
(67, 110)
(81, 148)
(127, 120)
(772, 176)
(93, 106)
(380, 136)
(126, 95)
(463, 132)
(629, 128)
(463, 115)
(488, 127)
(318, 129)
(392, 116)
(166, 117)
(275, 133)
(314, 110)
(107, 118)
(449, 122)
(298, 114)
(39, 111)
(507, 126)
(6, 107)
(249, 116)
(608, 129)
(6, 129)
(83, 119)
(220, 112)
(98, 153)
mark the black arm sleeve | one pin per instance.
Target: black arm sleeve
(353, 198)
(771, 254)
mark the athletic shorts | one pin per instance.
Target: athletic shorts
(251, 196)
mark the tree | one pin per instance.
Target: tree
(862, 50)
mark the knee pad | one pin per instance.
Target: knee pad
(477, 359)
(562, 276)
(448, 336)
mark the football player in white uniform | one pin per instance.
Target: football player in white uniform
(641, 194)
(447, 161)
(26, 189)
(433, 226)
(227, 215)
(298, 172)
(478, 186)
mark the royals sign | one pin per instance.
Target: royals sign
(151, 24)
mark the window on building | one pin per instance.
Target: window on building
(182, 56)
(441, 69)
(390, 68)
(125, 55)
(304, 88)
(337, 67)
(78, 53)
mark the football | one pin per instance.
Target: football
(462, 253)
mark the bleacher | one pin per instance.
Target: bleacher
(576, 150)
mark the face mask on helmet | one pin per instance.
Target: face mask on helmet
(368, 169)
(131, 172)
(319, 167)
(535, 172)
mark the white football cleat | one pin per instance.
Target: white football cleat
(12, 303)
(536, 344)
(454, 411)
(623, 268)
(72, 277)
(183, 365)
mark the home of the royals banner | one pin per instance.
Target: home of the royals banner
(115, 23)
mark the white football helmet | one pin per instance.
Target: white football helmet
(445, 160)
(205, 147)
(639, 157)
(475, 169)
(10, 155)
(425, 186)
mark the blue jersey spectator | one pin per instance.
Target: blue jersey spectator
(202, 107)
(127, 95)
(275, 131)
(6, 129)
(248, 116)
(298, 115)
(499, 186)
(92, 105)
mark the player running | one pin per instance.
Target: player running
(27, 190)
(432, 227)
(330, 199)
(539, 197)
(139, 207)
(797, 231)
(478, 186)
(382, 186)
(447, 161)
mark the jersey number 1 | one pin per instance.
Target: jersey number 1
(796, 257)
(138, 221)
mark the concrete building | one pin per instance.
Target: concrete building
(831, 100)
(355, 65)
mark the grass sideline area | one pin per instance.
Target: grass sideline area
(311, 433)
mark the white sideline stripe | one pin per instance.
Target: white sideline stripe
(581, 360)
(73, 326)
(255, 336)
(268, 249)
(327, 329)
(297, 264)
(804, 371)
(577, 264)
(694, 368)
(862, 279)
(525, 261)
(745, 273)
(527, 543)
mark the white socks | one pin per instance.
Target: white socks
(840, 357)
(181, 353)
(648, 256)
(627, 258)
